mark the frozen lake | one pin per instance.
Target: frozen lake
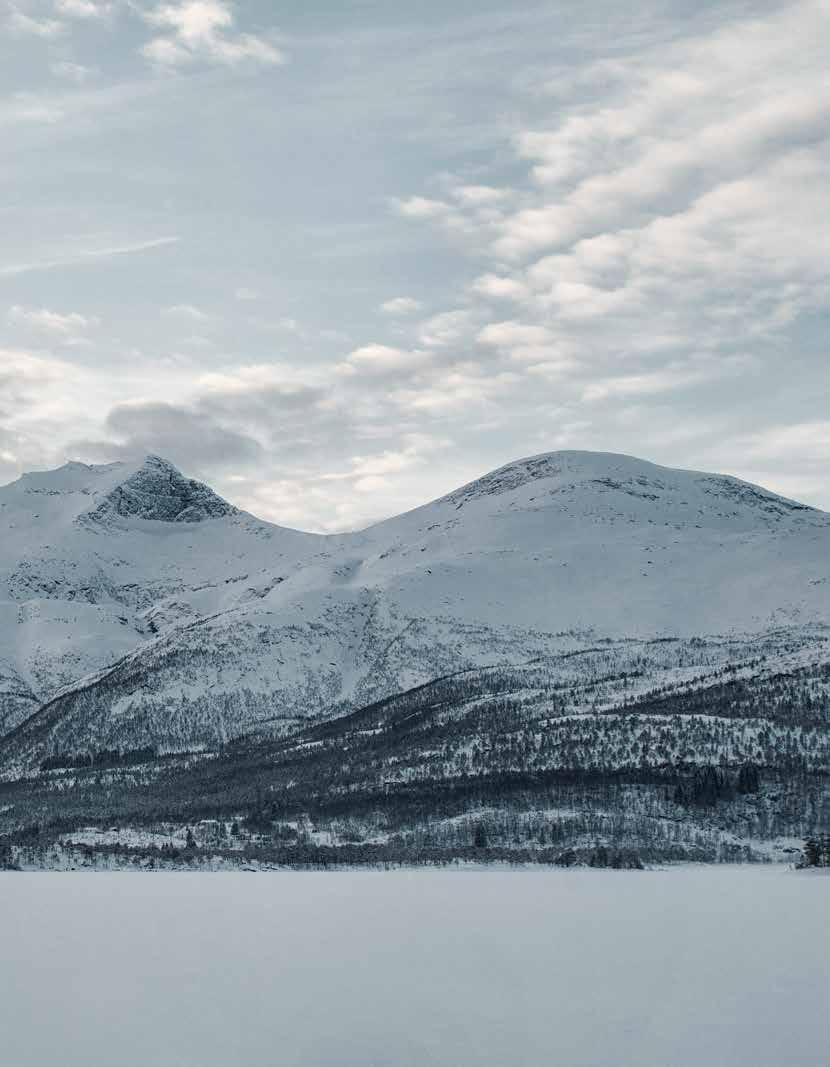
(586, 968)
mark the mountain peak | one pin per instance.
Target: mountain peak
(602, 485)
(152, 461)
(157, 490)
(565, 467)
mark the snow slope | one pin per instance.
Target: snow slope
(138, 606)
(96, 560)
(591, 540)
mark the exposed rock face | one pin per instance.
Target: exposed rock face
(158, 491)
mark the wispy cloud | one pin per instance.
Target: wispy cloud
(187, 311)
(400, 305)
(78, 258)
(22, 24)
(421, 207)
(670, 223)
(204, 29)
(72, 72)
(446, 328)
(54, 322)
(84, 9)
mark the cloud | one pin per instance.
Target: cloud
(74, 72)
(500, 287)
(127, 249)
(634, 385)
(204, 29)
(72, 258)
(665, 234)
(480, 195)
(511, 334)
(25, 367)
(371, 474)
(256, 376)
(444, 329)
(794, 438)
(29, 108)
(278, 406)
(460, 387)
(61, 325)
(383, 359)
(192, 439)
(187, 311)
(43, 400)
(420, 207)
(373, 483)
(531, 343)
(22, 24)
(682, 121)
(400, 305)
(297, 413)
(83, 9)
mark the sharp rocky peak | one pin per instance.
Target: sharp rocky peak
(158, 491)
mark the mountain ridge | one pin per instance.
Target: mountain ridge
(526, 469)
(579, 654)
(129, 575)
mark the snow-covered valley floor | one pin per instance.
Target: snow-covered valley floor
(674, 968)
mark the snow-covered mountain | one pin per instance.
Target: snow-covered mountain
(139, 608)
(96, 560)
(597, 541)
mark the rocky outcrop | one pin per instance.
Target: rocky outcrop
(158, 491)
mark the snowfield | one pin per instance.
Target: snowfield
(674, 968)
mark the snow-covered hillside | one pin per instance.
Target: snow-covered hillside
(606, 542)
(137, 607)
(97, 560)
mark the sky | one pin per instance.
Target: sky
(337, 259)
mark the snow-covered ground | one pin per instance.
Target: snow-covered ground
(673, 968)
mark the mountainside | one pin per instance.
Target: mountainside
(141, 613)
(187, 599)
(597, 541)
(95, 561)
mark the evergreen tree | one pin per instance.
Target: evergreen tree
(748, 779)
(812, 853)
